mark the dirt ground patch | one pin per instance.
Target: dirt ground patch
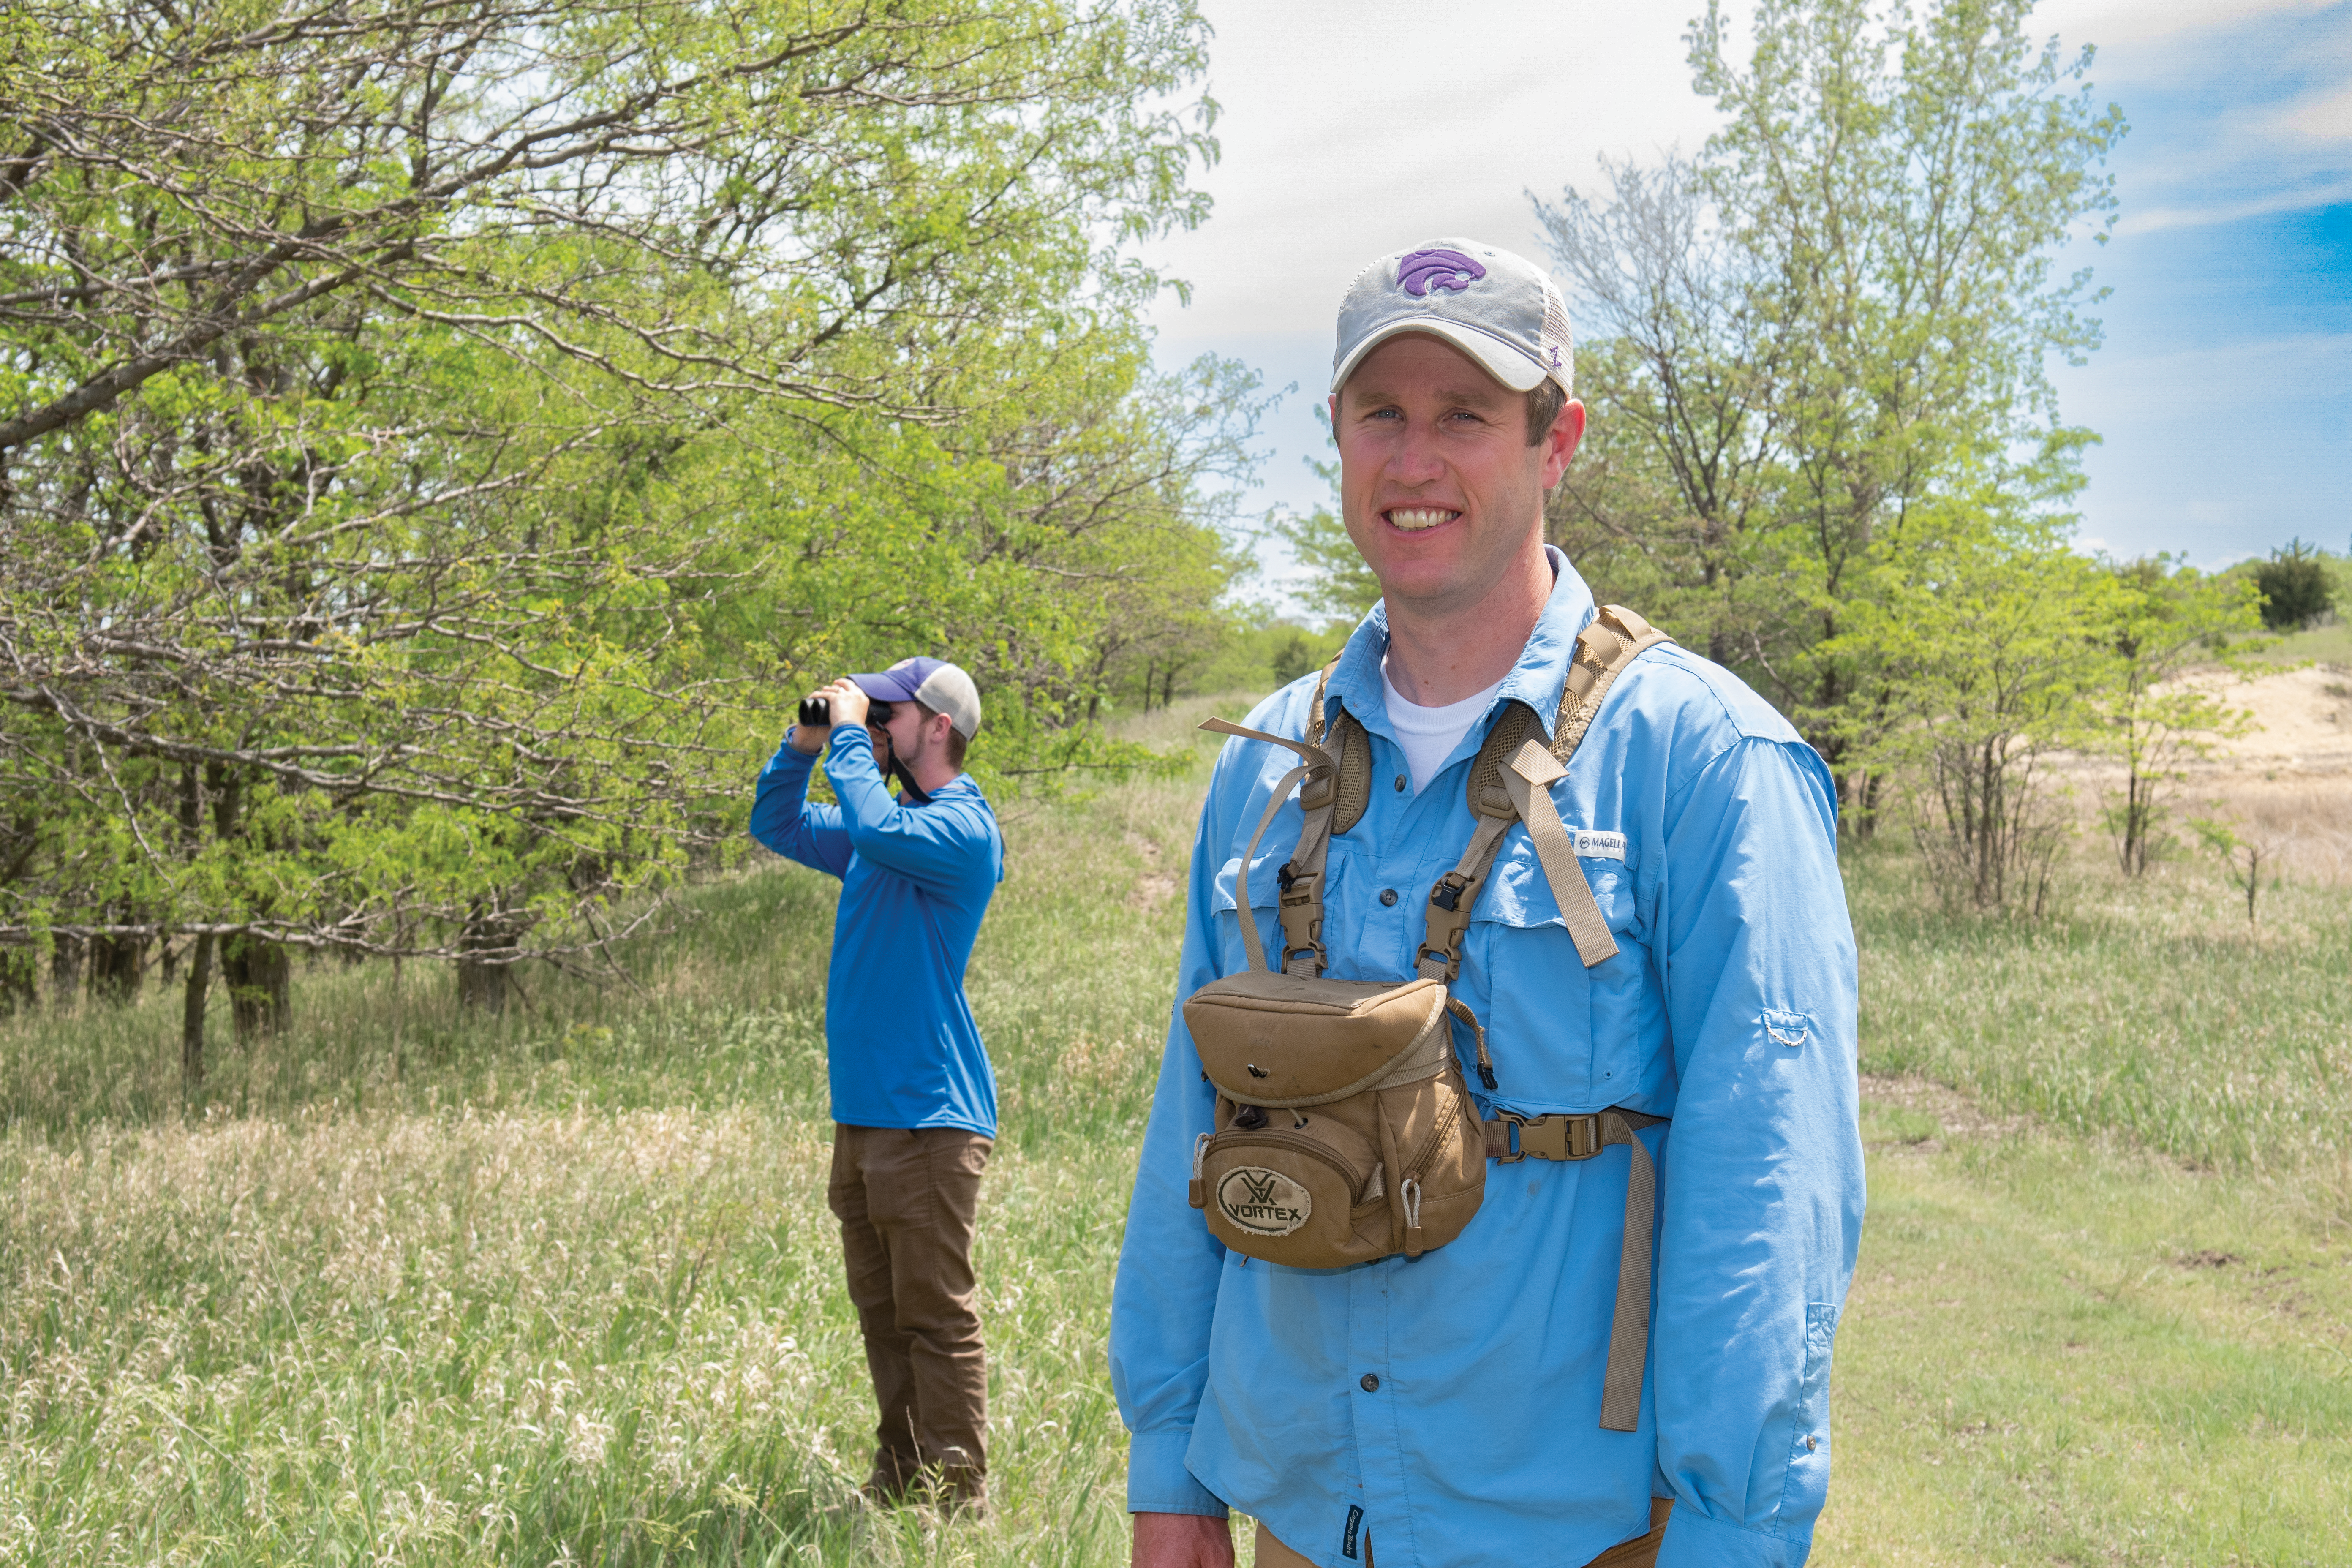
(1953, 1115)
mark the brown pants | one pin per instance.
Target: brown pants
(1638, 1552)
(906, 1202)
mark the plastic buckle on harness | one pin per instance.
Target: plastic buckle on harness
(1512, 1154)
(1550, 1137)
(1447, 894)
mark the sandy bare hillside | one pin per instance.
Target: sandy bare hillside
(2304, 717)
(2286, 784)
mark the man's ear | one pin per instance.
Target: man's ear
(1560, 442)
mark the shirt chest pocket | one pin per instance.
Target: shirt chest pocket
(1564, 1037)
(1265, 894)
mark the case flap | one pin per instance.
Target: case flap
(1284, 1039)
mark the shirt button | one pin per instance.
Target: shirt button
(1400, 783)
(1370, 1382)
(1388, 895)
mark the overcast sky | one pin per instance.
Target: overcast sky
(2224, 391)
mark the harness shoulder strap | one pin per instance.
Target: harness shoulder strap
(1350, 746)
(1616, 637)
(1301, 906)
(1512, 779)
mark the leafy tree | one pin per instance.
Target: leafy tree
(2169, 619)
(1663, 502)
(406, 413)
(2241, 859)
(1824, 333)
(1991, 641)
(1340, 582)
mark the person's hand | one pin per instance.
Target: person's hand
(850, 702)
(1181, 1540)
(848, 707)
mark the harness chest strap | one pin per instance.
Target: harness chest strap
(1510, 1139)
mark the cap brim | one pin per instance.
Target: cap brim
(884, 687)
(1503, 361)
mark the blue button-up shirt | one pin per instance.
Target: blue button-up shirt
(1728, 1008)
(901, 1047)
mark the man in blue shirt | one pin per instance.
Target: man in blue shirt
(1446, 1410)
(914, 1098)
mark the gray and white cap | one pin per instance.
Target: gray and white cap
(1501, 309)
(941, 687)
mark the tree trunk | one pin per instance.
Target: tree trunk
(65, 970)
(19, 980)
(114, 965)
(192, 1015)
(482, 983)
(260, 986)
(481, 987)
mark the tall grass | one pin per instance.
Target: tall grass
(408, 1287)
(2154, 1010)
(411, 1287)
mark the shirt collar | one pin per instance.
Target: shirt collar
(1537, 680)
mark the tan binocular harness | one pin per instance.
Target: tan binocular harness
(1393, 1158)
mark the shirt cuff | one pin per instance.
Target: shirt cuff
(1158, 1482)
(1694, 1541)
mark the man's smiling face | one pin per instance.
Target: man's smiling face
(1438, 486)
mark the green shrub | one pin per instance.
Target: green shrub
(2297, 587)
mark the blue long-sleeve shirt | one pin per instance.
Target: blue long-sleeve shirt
(901, 1047)
(1729, 1006)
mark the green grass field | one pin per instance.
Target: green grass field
(2325, 645)
(562, 1287)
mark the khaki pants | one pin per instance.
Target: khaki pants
(906, 1202)
(1638, 1552)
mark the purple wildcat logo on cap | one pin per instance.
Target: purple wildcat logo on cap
(1501, 309)
(1422, 270)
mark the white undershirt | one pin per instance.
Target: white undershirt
(1429, 735)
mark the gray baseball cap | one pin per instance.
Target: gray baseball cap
(941, 687)
(1499, 308)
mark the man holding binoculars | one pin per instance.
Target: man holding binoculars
(914, 1098)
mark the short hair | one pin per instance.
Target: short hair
(955, 742)
(1545, 400)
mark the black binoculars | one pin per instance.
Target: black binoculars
(816, 712)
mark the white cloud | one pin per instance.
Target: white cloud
(2184, 22)
(2299, 196)
(2237, 109)
(2321, 117)
(1350, 130)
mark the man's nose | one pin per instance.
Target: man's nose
(1415, 459)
